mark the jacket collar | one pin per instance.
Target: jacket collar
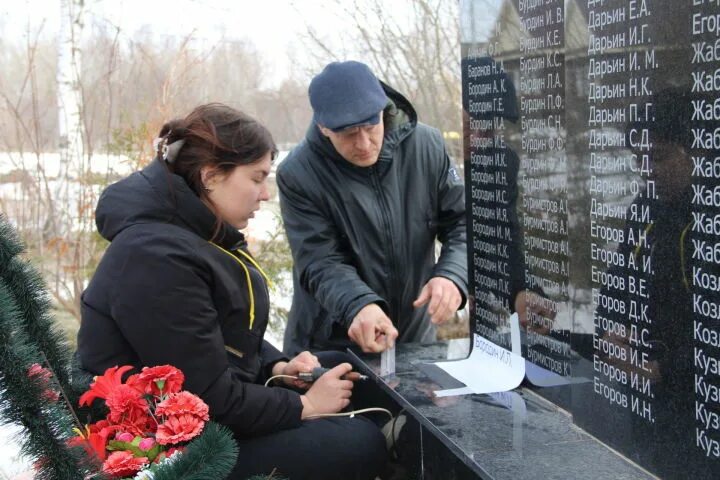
(187, 207)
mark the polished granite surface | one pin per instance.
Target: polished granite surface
(516, 435)
(591, 144)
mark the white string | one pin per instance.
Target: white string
(352, 413)
(341, 414)
(279, 376)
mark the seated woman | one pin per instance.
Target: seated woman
(177, 286)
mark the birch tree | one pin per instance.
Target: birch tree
(70, 113)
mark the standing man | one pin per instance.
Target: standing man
(364, 197)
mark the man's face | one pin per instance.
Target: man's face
(358, 145)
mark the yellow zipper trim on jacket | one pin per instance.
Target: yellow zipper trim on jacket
(255, 264)
(247, 276)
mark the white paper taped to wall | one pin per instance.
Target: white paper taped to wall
(489, 368)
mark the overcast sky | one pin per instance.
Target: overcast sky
(273, 26)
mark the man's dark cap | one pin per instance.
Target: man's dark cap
(346, 94)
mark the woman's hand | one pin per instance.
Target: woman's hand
(329, 394)
(303, 362)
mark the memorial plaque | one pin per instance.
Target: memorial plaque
(516, 171)
(592, 166)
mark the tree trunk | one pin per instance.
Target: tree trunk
(70, 121)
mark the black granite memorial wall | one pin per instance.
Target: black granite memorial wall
(592, 170)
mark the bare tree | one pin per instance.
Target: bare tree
(285, 110)
(71, 131)
(415, 49)
(113, 102)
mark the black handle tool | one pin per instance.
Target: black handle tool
(320, 371)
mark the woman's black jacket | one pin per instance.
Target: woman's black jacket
(163, 294)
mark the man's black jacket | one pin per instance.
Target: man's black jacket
(367, 235)
(163, 294)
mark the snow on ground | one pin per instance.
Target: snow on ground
(262, 227)
(49, 163)
(12, 466)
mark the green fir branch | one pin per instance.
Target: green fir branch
(10, 244)
(28, 289)
(28, 336)
(211, 455)
(46, 423)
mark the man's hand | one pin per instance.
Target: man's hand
(372, 330)
(444, 298)
(303, 362)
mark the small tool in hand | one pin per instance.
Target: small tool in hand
(320, 371)
(387, 362)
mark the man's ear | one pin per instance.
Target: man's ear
(324, 130)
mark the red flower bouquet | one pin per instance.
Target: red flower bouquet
(150, 419)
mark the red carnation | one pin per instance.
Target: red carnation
(183, 403)
(129, 409)
(162, 379)
(104, 385)
(124, 401)
(180, 428)
(123, 464)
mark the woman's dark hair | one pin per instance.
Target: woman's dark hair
(217, 136)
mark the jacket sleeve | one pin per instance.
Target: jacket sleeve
(325, 271)
(162, 304)
(452, 233)
(270, 356)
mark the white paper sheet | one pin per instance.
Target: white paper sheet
(489, 368)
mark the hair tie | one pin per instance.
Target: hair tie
(168, 151)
